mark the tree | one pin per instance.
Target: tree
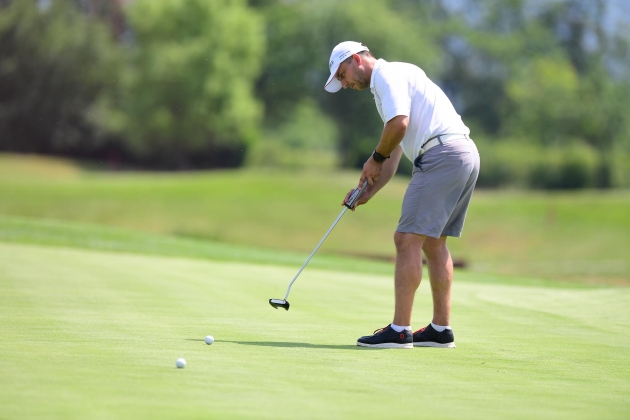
(186, 97)
(54, 65)
(548, 73)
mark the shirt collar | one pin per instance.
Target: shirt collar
(377, 67)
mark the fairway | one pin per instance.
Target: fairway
(579, 236)
(95, 334)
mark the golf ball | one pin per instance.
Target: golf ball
(209, 339)
(180, 363)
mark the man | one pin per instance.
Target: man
(420, 122)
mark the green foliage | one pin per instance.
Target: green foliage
(621, 168)
(543, 93)
(308, 139)
(301, 36)
(545, 73)
(54, 64)
(196, 83)
(522, 162)
(506, 163)
(570, 167)
(187, 93)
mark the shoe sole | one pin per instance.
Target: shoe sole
(434, 344)
(387, 345)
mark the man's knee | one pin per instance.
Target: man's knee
(435, 247)
(408, 241)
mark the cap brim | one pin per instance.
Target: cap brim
(333, 84)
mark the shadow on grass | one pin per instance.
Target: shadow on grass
(289, 344)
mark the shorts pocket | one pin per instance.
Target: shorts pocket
(430, 161)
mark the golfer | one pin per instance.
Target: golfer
(419, 121)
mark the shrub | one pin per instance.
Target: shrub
(307, 140)
(571, 167)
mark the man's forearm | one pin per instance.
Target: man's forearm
(389, 169)
(392, 135)
(378, 171)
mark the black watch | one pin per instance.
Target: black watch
(378, 157)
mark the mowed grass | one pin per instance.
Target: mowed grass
(106, 279)
(95, 334)
(583, 236)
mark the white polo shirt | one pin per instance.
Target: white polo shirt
(404, 89)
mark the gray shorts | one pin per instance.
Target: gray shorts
(441, 186)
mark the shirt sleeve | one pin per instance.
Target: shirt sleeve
(393, 89)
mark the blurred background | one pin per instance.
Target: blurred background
(205, 84)
(144, 86)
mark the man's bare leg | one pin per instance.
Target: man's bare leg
(408, 274)
(441, 276)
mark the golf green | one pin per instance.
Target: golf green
(95, 334)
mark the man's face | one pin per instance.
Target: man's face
(352, 74)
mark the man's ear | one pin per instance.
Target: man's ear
(357, 59)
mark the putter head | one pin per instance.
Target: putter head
(279, 303)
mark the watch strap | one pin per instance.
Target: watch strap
(378, 157)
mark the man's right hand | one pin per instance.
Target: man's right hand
(365, 197)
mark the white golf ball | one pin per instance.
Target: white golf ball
(180, 363)
(209, 339)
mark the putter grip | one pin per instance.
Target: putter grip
(355, 195)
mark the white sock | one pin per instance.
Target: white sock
(398, 328)
(440, 328)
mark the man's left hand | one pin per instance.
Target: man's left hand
(371, 171)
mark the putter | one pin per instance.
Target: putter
(283, 303)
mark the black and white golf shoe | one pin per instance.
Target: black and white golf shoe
(387, 338)
(429, 337)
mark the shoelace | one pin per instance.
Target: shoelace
(380, 330)
(420, 330)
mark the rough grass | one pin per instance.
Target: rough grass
(580, 236)
(97, 237)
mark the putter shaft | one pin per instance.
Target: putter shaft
(349, 204)
(315, 250)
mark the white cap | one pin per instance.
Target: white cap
(340, 53)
